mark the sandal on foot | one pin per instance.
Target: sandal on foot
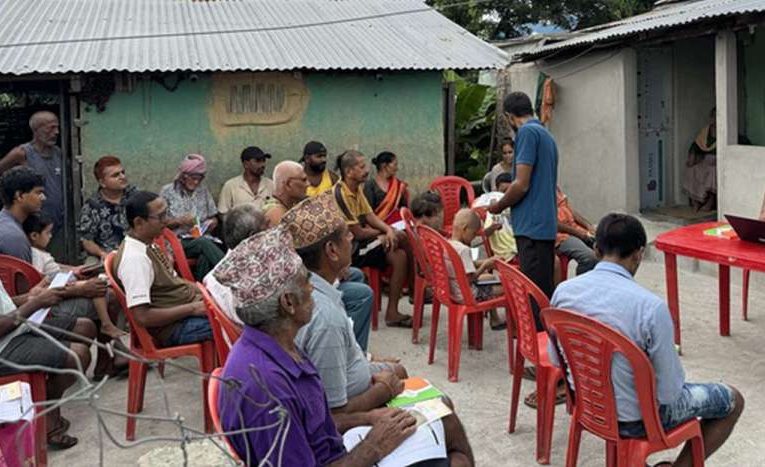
(61, 426)
(405, 322)
(529, 373)
(531, 399)
(499, 327)
(61, 441)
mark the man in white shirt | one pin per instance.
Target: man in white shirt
(170, 307)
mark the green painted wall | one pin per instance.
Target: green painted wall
(754, 89)
(151, 128)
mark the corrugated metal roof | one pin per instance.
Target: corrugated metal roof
(59, 36)
(664, 17)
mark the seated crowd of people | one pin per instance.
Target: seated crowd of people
(283, 258)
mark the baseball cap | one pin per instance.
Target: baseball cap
(254, 152)
(314, 147)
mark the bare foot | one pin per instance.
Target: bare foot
(112, 331)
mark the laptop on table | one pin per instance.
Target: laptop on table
(749, 230)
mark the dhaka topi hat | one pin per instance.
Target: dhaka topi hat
(259, 267)
(313, 220)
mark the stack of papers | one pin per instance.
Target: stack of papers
(422, 400)
(16, 402)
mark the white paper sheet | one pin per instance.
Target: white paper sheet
(428, 442)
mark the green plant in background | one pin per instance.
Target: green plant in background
(474, 119)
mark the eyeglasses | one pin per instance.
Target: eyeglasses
(160, 217)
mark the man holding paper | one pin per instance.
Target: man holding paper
(355, 386)
(21, 346)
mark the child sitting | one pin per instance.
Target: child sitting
(39, 231)
(464, 229)
(498, 228)
(428, 210)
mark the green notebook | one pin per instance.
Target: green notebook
(415, 390)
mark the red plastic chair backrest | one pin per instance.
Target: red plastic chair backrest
(438, 252)
(519, 290)
(225, 331)
(450, 189)
(180, 261)
(139, 336)
(17, 275)
(589, 347)
(414, 240)
(213, 391)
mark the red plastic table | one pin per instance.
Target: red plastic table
(726, 252)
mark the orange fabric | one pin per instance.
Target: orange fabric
(390, 203)
(565, 217)
(548, 101)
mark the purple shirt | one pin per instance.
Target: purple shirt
(312, 438)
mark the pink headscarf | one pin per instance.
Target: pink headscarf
(193, 164)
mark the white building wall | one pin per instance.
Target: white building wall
(595, 127)
(740, 174)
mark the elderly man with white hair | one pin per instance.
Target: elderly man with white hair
(44, 157)
(290, 183)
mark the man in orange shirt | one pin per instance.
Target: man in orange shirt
(575, 237)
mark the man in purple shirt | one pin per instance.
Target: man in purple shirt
(275, 395)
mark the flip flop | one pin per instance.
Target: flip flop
(61, 441)
(499, 327)
(662, 464)
(531, 399)
(62, 426)
(402, 323)
(529, 373)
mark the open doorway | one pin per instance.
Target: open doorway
(676, 93)
(19, 99)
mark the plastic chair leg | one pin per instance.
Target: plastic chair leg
(419, 307)
(37, 383)
(516, 392)
(611, 454)
(574, 440)
(373, 276)
(697, 450)
(433, 330)
(510, 347)
(207, 364)
(546, 387)
(564, 260)
(136, 386)
(455, 339)
(475, 331)
(745, 294)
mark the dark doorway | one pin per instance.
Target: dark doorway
(19, 99)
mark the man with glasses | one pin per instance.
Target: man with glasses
(169, 307)
(192, 212)
(252, 187)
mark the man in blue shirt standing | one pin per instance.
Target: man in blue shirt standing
(532, 194)
(610, 294)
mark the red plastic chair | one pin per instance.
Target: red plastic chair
(482, 213)
(437, 249)
(450, 189)
(36, 382)
(17, 276)
(564, 260)
(143, 345)
(589, 346)
(422, 277)
(180, 261)
(225, 331)
(532, 346)
(212, 402)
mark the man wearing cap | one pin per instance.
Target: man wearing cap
(251, 186)
(320, 178)
(278, 394)
(190, 206)
(276, 401)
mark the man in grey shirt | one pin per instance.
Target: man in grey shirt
(23, 194)
(610, 294)
(45, 157)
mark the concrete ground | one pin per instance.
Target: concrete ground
(482, 394)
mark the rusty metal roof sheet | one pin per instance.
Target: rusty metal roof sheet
(61, 36)
(663, 17)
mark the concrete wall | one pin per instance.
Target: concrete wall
(595, 126)
(753, 86)
(740, 178)
(151, 128)
(694, 97)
